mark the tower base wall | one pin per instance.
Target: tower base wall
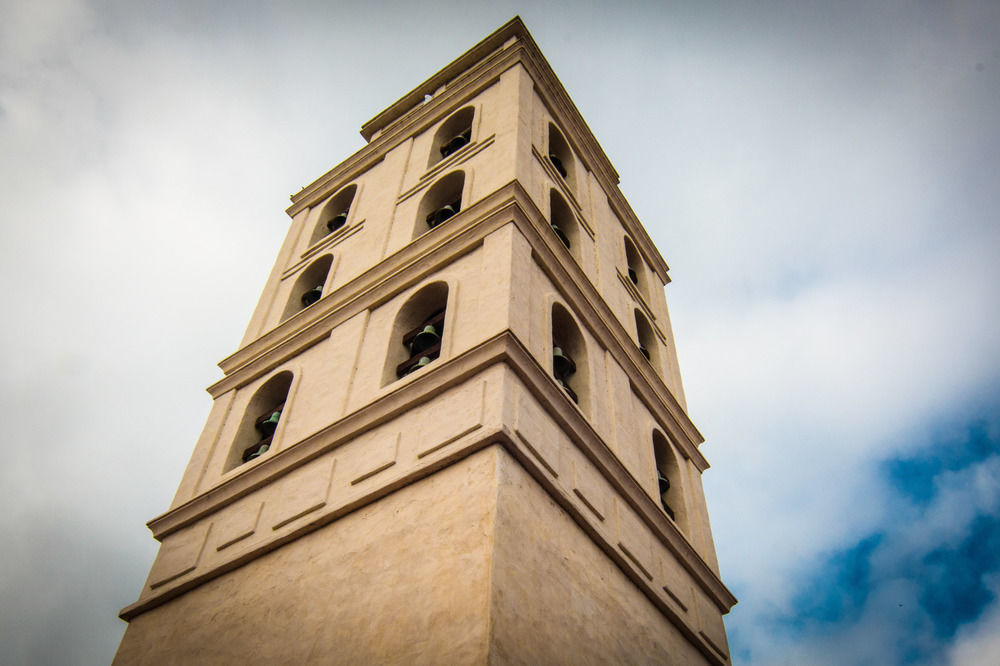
(557, 598)
(474, 564)
(402, 580)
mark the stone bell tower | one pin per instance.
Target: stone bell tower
(454, 431)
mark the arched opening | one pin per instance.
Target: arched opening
(454, 134)
(255, 435)
(442, 201)
(418, 333)
(561, 155)
(668, 480)
(647, 340)
(308, 288)
(636, 266)
(334, 214)
(563, 223)
(569, 356)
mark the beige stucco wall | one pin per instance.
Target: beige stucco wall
(556, 598)
(403, 580)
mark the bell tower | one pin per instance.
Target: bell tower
(454, 431)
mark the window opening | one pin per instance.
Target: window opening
(256, 431)
(667, 480)
(560, 154)
(266, 424)
(441, 202)
(334, 214)
(634, 264)
(308, 288)
(569, 357)
(562, 221)
(454, 134)
(423, 344)
(645, 338)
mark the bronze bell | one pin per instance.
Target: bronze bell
(337, 222)
(561, 235)
(663, 481)
(261, 450)
(562, 365)
(443, 213)
(425, 339)
(457, 143)
(312, 295)
(644, 352)
(557, 163)
(424, 360)
(632, 276)
(570, 392)
(268, 425)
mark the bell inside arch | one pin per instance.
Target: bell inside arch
(443, 213)
(425, 339)
(257, 452)
(337, 221)
(560, 235)
(424, 360)
(562, 365)
(557, 163)
(454, 145)
(312, 295)
(644, 352)
(663, 482)
(632, 276)
(570, 392)
(268, 425)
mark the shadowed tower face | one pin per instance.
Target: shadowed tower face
(454, 431)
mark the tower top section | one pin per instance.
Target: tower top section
(474, 71)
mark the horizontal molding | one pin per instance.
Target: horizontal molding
(462, 156)
(328, 242)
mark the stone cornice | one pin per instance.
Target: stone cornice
(435, 380)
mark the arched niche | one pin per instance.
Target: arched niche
(570, 363)
(259, 425)
(648, 342)
(669, 480)
(636, 267)
(418, 332)
(564, 223)
(335, 214)
(442, 201)
(561, 156)
(309, 286)
(454, 134)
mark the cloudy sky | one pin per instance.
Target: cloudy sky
(822, 178)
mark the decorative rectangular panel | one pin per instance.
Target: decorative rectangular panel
(301, 492)
(179, 554)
